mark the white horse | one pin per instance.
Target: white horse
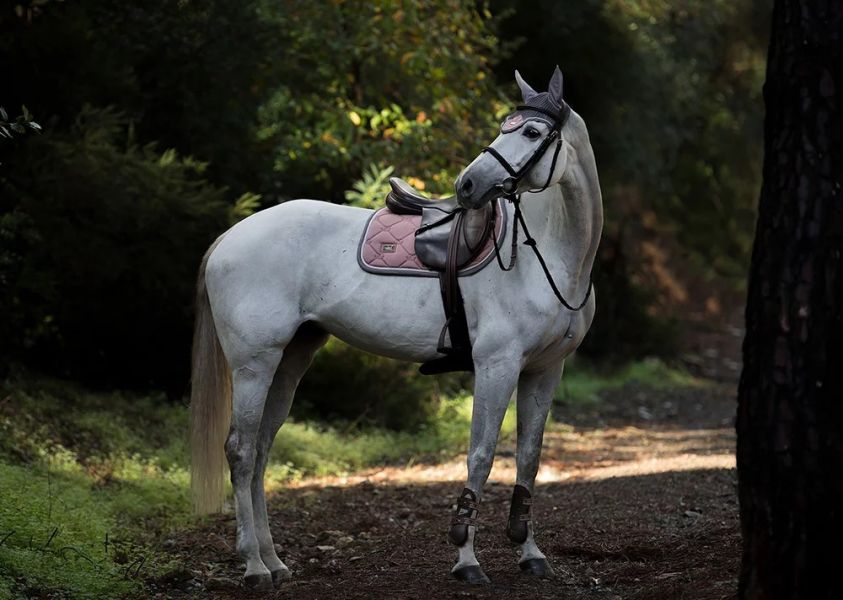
(276, 285)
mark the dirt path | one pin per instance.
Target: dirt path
(636, 501)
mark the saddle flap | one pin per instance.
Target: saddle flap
(431, 244)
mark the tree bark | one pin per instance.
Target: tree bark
(790, 408)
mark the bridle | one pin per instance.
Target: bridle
(510, 185)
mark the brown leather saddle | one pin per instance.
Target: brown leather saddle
(449, 238)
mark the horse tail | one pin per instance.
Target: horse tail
(210, 404)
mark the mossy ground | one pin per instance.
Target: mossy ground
(89, 481)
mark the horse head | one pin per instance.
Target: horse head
(527, 155)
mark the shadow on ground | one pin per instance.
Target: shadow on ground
(643, 508)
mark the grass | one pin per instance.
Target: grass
(581, 385)
(87, 481)
(310, 449)
(91, 483)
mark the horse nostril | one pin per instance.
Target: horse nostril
(467, 187)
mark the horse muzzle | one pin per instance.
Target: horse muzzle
(471, 196)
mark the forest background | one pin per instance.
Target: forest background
(133, 134)
(165, 122)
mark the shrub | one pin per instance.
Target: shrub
(104, 241)
(351, 385)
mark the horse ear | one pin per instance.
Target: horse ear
(555, 86)
(526, 91)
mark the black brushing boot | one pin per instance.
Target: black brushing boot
(466, 514)
(517, 531)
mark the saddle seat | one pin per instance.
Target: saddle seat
(404, 199)
(441, 220)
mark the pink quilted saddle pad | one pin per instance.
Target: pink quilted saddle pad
(387, 246)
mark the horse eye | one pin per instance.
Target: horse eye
(532, 133)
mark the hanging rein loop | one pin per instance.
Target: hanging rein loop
(515, 199)
(509, 187)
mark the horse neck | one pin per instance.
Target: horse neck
(567, 218)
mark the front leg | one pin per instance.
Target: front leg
(495, 381)
(535, 395)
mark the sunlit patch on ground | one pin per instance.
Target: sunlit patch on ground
(632, 502)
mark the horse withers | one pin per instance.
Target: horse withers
(276, 285)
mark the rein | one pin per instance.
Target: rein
(509, 186)
(531, 242)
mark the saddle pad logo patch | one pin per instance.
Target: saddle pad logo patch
(388, 248)
(512, 123)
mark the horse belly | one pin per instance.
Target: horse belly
(395, 316)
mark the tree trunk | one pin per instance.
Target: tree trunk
(790, 410)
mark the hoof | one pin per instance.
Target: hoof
(539, 567)
(260, 582)
(280, 576)
(472, 574)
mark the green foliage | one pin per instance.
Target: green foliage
(105, 238)
(582, 382)
(87, 481)
(20, 124)
(55, 533)
(348, 385)
(311, 449)
(397, 83)
(371, 190)
(247, 204)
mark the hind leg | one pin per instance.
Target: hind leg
(251, 381)
(297, 358)
(535, 395)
